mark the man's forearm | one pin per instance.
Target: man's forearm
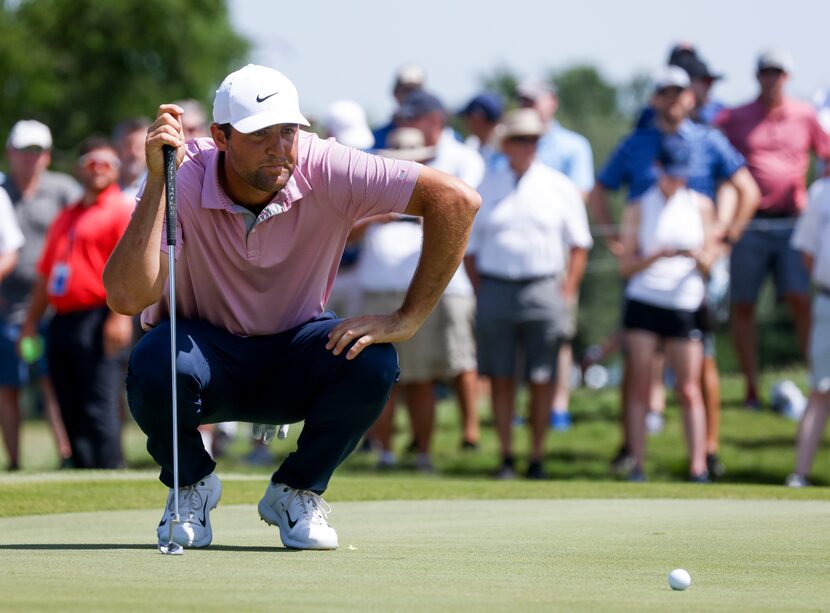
(7, 263)
(749, 197)
(447, 225)
(577, 263)
(472, 271)
(134, 276)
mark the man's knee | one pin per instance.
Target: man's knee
(375, 370)
(149, 386)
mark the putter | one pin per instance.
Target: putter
(172, 548)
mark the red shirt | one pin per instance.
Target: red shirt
(776, 144)
(77, 248)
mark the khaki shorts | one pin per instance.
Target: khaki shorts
(442, 348)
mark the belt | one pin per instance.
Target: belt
(517, 280)
(824, 291)
(776, 214)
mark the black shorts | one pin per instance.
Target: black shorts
(665, 323)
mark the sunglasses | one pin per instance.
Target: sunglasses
(31, 150)
(523, 140)
(98, 160)
(669, 91)
(771, 71)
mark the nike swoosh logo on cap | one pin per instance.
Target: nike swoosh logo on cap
(263, 99)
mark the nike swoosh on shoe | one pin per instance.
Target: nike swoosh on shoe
(204, 512)
(291, 523)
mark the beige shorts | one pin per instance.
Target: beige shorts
(443, 347)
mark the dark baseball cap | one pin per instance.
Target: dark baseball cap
(696, 68)
(417, 104)
(488, 104)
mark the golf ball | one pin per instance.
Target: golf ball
(679, 579)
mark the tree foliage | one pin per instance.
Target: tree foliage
(81, 66)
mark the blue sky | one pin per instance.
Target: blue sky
(334, 49)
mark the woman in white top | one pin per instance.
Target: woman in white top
(667, 250)
(811, 238)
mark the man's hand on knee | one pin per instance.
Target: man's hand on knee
(369, 330)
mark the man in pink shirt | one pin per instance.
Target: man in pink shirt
(264, 210)
(776, 134)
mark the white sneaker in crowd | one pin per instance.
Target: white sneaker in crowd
(796, 480)
(654, 422)
(195, 504)
(300, 515)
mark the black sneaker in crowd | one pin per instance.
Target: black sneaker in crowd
(623, 463)
(636, 475)
(535, 471)
(701, 477)
(714, 466)
(507, 471)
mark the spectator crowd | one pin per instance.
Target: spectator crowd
(711, 192)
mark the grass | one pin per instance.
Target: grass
(436, 555)
(757, 447)
(456, 540)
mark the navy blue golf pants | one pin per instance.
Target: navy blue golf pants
(276, 379)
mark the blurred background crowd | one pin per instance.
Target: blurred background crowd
(633, 225)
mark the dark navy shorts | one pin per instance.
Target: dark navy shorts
(764, 249)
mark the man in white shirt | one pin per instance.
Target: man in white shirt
(810, 238)
(11, 239)
(526, 257)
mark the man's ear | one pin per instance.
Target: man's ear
(218, 137)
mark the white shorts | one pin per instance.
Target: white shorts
(820, 344)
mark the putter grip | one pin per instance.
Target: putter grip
(170, 195)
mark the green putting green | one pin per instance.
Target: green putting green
(481, 555)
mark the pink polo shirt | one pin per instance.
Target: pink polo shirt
(280, 273)
(776, 144)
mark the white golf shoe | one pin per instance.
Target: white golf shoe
(195, 504)
(300, 516)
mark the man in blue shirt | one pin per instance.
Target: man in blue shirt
(713, 161)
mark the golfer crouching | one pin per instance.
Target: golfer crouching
(263, 214)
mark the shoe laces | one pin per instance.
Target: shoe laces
(190, 499)
(312, 505)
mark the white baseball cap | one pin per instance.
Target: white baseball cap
(255, 97)
(346, 122)
(29, 133)
(775, 58)
(670, 76)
